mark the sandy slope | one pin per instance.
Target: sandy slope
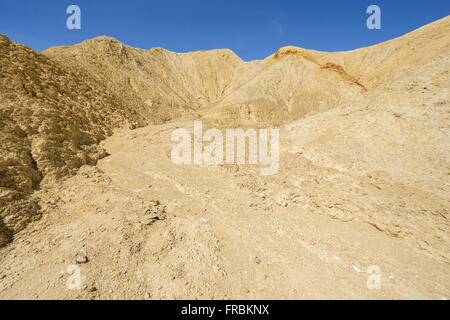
(225, 233)
(363, 176)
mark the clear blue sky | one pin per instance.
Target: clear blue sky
(253, 29)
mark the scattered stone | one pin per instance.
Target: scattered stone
(245, 290)
(258, 260)
(82, 258)
(222, 273)
(92, 289)
(356, 268)
(261, 195)
(154, 211)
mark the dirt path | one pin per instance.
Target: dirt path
(153, 230)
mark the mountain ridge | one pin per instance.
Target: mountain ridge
(58, 105)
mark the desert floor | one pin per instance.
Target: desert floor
(154, 230)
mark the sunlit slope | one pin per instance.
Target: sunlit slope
(398, 138)
(52, 117)
(56, 106)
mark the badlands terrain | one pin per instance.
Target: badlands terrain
(86, 177)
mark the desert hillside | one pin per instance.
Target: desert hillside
(364, 171)
(53, 117)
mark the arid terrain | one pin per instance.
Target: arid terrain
(86, 176)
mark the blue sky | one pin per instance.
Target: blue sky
(252, 29)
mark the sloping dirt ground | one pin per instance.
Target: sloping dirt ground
(362, 193)
(153, 230)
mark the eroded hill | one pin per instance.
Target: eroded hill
(373, 121)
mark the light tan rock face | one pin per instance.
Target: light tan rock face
(216, 84)
(280, 89)
(382, 109)
(374, 65)
(166, 85)
(398, 136)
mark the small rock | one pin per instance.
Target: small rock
(258, 260)
(92, 289)
(82, 258)
(222, 273)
